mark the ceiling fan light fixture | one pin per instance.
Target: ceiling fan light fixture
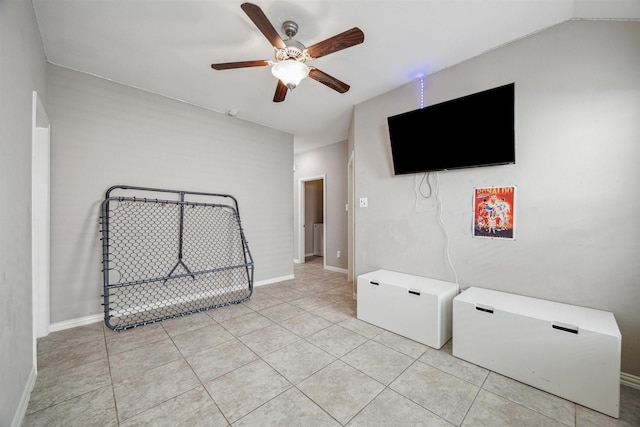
(290, 55)
(290, 72)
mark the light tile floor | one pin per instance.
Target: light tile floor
(295, 354)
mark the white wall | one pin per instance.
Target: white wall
(577, 148)
(331, 161)
(22, 70)
(106, 134)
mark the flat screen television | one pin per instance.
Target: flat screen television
(470, 131)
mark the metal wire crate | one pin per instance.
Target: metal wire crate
(164, 258)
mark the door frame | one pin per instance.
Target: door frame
(351, 223)
(40, 219)
(301, 216)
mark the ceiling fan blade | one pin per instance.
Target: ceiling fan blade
(281, 92)
(241, 64)
(338, 42)
(328, 80)
(262, 22)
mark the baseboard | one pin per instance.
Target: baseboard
(274, 280)
(95, 318)
(336, 269)
(630, 380)
(81, 321)
(21, 411)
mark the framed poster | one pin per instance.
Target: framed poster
(494, 212)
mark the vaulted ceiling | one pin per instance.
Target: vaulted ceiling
(167, 47)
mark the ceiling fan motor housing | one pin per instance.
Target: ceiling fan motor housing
(293, 49)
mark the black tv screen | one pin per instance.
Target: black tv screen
(471, 131)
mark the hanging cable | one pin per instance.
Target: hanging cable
(421, 197)
(444, 230)
(425, 177)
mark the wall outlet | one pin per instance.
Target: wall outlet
(338, 254)
(364, 202)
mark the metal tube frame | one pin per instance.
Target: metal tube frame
(247, 266)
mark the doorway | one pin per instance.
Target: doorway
(311, 217)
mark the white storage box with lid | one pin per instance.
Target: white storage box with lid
(570, 351)
(415, 307)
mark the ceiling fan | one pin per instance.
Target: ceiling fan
(291, 56)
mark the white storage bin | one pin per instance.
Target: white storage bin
(415, 307)
(570, 351)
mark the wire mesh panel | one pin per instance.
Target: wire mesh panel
(164, 258)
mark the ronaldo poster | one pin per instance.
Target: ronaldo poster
(494, 212)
